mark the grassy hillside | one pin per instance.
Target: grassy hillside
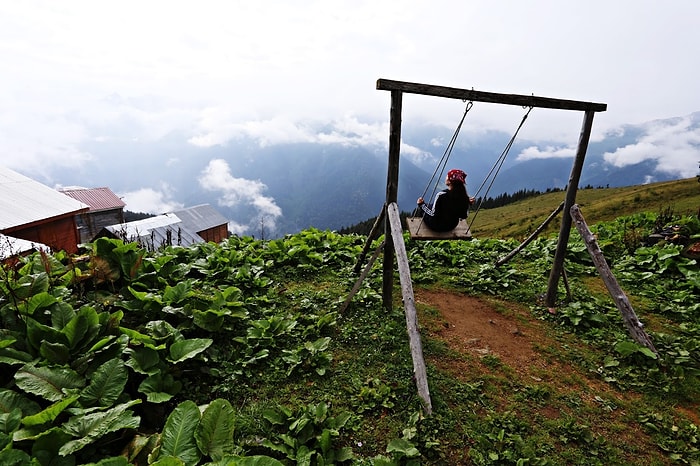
(240, 353)
(519, 219)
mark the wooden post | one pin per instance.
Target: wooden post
(565, 230)
(634, 326)
(373, 234)
(409, 305)
(392, 192)
(529, 239)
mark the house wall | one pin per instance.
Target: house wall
(59, 233)
(91, 223)
(215, 234)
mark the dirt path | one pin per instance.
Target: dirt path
(474, 325)
(522, 343)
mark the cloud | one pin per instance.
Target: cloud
(673, 144)
(238, 228)
(278, 71)
(548, 152)
(214, 127)
(216, 176)
(150, 200)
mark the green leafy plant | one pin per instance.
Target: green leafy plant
(306, 436)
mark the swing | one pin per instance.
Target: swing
(419, 231)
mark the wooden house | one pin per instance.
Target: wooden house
(153, 233)
(36, 213)
(209, 224)
(106, 208)
(181, 228)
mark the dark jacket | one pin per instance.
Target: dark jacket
(445, 213)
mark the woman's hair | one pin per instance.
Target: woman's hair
(458, 195)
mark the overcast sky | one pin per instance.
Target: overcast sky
(75, 71)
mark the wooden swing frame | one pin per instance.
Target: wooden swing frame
(393, 244)
(398, 88)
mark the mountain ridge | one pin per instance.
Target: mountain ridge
(272, 190)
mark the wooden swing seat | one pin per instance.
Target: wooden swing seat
(419, 230)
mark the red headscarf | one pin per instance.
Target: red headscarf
(457, 175)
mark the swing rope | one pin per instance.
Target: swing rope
(442, 163)
(497, 168)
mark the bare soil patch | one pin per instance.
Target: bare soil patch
(476, 326)
(531, 354)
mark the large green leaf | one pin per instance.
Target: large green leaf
(161, 330)
(7, 341)
(61, 314)
(210, 320)
(45, 448)
(144, 360)
(257, 460)
(87, 428)
(38, 301)
(214, 434)
(186, 349)
(47, 382)
(50, 413)
(55, 353)
(30, 285)
(77, 328)
(13, 457)
(168, 461)
(37, 333)
(160, 388)
(112, 461)
(9, 422)
(14, 357)
(106, 384)
(139, 338)
(146, 296)
(10, 400)
(176, 294)
(178, 438)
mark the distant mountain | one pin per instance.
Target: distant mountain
(324, 187)
(331, 186)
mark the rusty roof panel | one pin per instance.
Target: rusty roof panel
(97, 198)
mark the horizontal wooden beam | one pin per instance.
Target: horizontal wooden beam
(491, 97)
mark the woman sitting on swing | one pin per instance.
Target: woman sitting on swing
(451, 204)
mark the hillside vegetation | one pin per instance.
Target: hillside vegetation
(238, 353)
(519, 219)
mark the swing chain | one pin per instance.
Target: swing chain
(497, 166)
(442, 163)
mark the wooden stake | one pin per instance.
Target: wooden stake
(409, 305)
(529, 239)
(373, 234)
(359, 281)
(634, 326)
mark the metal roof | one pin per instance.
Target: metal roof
(24, 201)
(156, 231)
(11, 246)
(201, 217)
(97, 198)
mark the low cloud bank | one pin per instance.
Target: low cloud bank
(233, 192)
(673, 144)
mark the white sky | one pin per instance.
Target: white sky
(74, 71)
